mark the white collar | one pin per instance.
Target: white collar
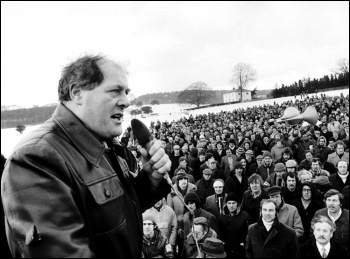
(320, 247)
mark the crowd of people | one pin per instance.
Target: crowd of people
(246, 185)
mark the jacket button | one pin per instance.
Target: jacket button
(107, 193)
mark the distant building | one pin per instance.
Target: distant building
(235, 96)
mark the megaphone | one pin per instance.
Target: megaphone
(293, 116)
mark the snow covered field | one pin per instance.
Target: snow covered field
(166, 112)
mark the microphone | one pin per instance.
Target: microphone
(145, 139)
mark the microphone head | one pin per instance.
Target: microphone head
(141, 132)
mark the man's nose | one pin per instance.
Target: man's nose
(123, 101)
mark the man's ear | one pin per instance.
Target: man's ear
(75, 94)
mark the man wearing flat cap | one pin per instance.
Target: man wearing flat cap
(277, 178)
(288, 214)
(267, 166)
(199, 233)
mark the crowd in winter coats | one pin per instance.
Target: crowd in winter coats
(248, 152)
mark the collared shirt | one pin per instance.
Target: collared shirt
(321, 248)
(334, 219)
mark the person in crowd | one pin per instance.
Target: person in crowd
(288, 214)
(253, 167)
(217, 173)
(291, 190)
(339, 154)
(304, 176)
(208, 156)
(277, 150)
(323, 185)
(307, 204)
(219, 152)
(215, 203)
(268, 238)
(321, 148)
(174, 158)
(266, 144)
(240, 153)
(329, 167)
(155, 244)
(339, 215)
(291, 166)
(183, 162)
(322, 245)
(166, 220)
(300, 145)
(213, 248)
(182, 169)
(237, 181)
(194, 205)
(306, 163)
(341, 178)
(233, 226)
(227, 162)
(278, 177)
(205, 185)
(327, 134)
(232, 145)
(256, 145)
(192, 160)
(253, 196)
(73, 165)
(316, 168)
(200, 232)
(181, 188)
(197, 169)
(287, 154)
(267, 166)
(170, 145)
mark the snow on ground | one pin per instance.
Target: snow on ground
(164, 112)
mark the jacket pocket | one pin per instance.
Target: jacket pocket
(106, 205)
(106, 191)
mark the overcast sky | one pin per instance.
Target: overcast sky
(169, 45)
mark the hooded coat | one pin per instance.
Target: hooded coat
(324, 151)
(306, 214)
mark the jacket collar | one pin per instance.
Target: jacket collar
(83, 138)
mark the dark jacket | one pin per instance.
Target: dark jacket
(341, 234)
(232, 184)
(252, 205)
(62, 184)
(264, 171)
(205, 189)
(310, 250)
(280, 242)
(308, 213)
(299, 147)
(155, 248)
(337, 183)
(233, 231)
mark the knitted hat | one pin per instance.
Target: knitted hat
(259, 157)
(207, 171)
(279, 167)
(148, 216)
(181, 175)
(217, 181)
(274, 190)
(192, 196)
(291, 163)
(214, 247)
(200, 220)
(232, 197)
(267, 154)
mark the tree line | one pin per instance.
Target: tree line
(307, 86)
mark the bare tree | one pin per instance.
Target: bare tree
(342, 66)
(243, 74)
(198, 93)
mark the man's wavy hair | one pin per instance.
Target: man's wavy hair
(323, 219)
(83, 73)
